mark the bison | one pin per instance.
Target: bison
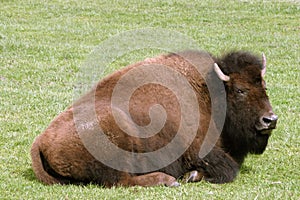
(75, 148)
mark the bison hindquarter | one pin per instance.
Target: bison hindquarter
(155, 121)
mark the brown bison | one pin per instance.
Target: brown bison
(97, 141)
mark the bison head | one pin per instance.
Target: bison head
(249, 116)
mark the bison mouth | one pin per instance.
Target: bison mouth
(265, 131)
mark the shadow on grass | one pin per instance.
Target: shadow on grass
(246, 170)
(28, 174)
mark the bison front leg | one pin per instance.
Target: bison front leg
(152, 179)
(219, 167)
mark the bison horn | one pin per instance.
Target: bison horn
(264, 64)
(220, 74)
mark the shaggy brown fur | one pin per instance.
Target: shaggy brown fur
(59, 156)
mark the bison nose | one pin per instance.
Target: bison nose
(270, 121)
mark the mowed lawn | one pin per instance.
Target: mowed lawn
(43, 44)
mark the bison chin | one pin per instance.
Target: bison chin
(260, 143)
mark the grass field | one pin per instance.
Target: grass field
(44, 43)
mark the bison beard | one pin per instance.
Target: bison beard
(59, 155)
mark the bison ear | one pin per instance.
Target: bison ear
(264, 65)
(220, 74)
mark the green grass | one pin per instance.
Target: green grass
(43, 45)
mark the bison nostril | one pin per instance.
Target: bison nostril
(267, 120)
(270, 121)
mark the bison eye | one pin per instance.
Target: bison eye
(239, 91)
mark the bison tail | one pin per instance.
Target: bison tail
(38, 165)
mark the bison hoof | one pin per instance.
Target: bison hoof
(192, 176)
(174, 184)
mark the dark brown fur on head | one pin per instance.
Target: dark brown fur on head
(234, 62)
(247, 101)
